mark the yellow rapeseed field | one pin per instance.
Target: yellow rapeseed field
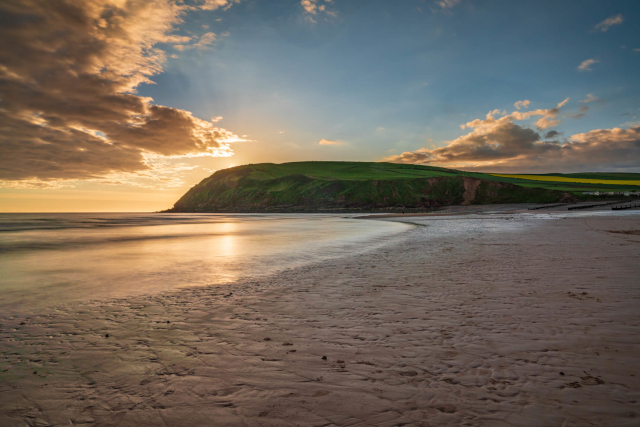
(566, 179)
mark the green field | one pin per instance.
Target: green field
(391, 171)
(577, 188)
(338, 170)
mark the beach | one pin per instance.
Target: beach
(479, 320)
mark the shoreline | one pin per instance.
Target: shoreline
(400, 215)
(78, 259)
(488, 322)
(496, 209)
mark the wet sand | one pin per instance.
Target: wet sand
(512, 320)
(517, 208)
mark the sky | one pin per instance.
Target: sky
(123, 105)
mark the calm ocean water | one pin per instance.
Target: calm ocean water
(48, 259)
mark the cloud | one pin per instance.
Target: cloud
(502, 145)
(589, 98)
(447, 4)
(205, 41)
(584, 65)
(522, 104)
(215, 4)
(550, 117)
(312, 7)
(551, 134)
(513, 148)
(328, 142)
(548, 120)
(216, 119)
(490, 139)
(309, 6)
(632, 124)
(583, 110)
(607, 23)
(68, 83)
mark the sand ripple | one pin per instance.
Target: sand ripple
(535, 323)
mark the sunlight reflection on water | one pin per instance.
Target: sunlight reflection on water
(50, 259)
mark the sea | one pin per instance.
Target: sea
(52, 259)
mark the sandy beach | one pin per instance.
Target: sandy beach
(502, 320)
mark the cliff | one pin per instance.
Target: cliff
(349, 186)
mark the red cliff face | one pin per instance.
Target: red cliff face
(470, 188)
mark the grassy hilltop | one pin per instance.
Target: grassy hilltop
(363, 186)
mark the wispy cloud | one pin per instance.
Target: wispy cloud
(328, 142)
(581, 113)
(609, 22)
(316, 7)
(586, 64)
(522, 104)
(550, 116)
(215, 4)
(310, 6)
(589, 98)
(447, 4)
(204, 42)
